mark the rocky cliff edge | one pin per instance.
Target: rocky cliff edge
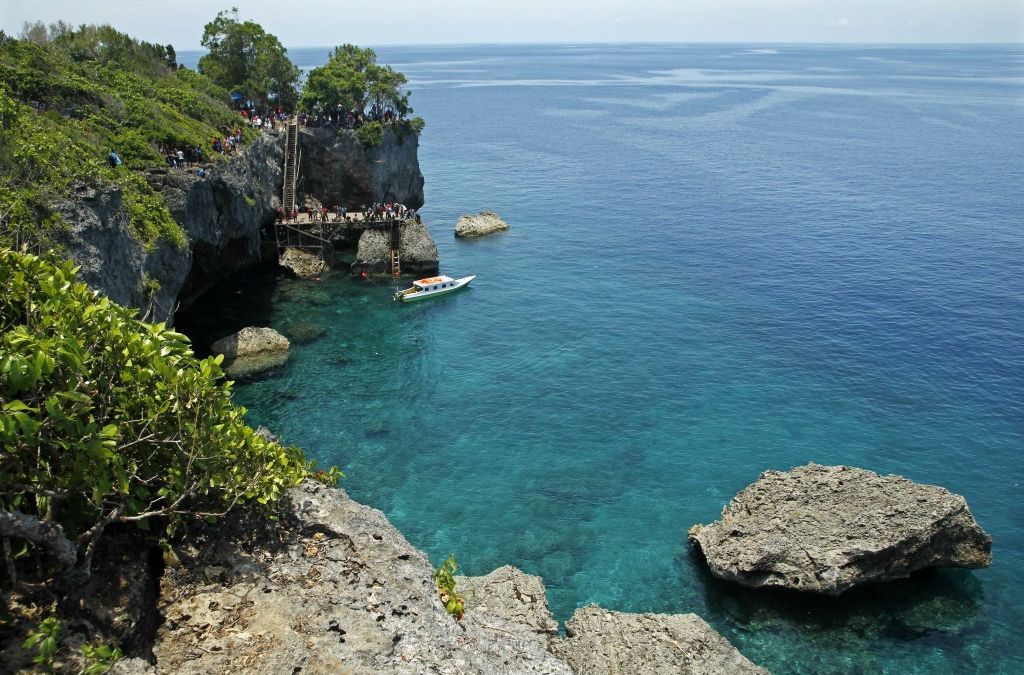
(334, 587)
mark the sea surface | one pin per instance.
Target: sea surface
(722, 259)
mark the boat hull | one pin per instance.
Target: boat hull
(413, 295)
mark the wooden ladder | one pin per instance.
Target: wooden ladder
(396, 241)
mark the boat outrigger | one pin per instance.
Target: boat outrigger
(432, 286)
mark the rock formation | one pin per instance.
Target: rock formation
(418, 251)
(334, 587)
(250, 341)
(829, 528)
(486, 222)
(600, 642)
(338, 169)
(302, 265)
(222, 215)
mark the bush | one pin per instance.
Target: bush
(106, 419)
(371, 134)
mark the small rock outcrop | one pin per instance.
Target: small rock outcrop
(486, 222)
(302, 265)
(250, 341)
(827, 529)
(600, 642)
(418, 251)
(512, 595)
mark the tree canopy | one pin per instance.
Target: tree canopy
(245, 58)
(353, 80)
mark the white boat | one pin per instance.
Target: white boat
(431, 287)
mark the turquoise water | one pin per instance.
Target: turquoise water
(722, 260)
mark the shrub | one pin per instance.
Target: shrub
(444, 578)
(371, 134)
(107, 419)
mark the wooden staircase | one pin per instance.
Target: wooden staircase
(291, 169)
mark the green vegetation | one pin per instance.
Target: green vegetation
(67, 98)
(45, 640)
(245, 58)
(105, 419)
(371, 133)
(99, 658)
(354, 81)
(444, 577)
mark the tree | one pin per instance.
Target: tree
(245, 58)
(353, 80)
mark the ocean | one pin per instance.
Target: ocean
(722, 259)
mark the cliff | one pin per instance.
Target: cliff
(337, 168)
(222, 214)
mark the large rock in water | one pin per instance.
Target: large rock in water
(301, 264)
(417, 248)
(250, 341)
(600, 642)
(487, 222)
(829, 528)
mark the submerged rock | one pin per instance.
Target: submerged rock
(486, 222)
(827, 529)
(304, 332)
(250, 341)
(302, 264)
(599, 641)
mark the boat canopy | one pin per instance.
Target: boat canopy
(422, 283)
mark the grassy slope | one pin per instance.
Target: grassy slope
(99, 90)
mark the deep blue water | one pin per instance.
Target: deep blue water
(723, 259)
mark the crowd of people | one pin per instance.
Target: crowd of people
(374, 213)
(346, 119)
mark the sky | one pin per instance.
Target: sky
(308, 23)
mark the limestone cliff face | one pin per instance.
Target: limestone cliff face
(337, 168)
(223, 215)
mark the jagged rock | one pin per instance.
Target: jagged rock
(248, 367)
(339, 169)
(250, 341)
(344, 592)
(512, 595)
(418, 251)
(486, 222)
(301, 264)
(599, 641)
(829, 528)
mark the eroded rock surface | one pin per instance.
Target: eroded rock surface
(339, 169)
(484, 223)
(342, 592)
(599, 641)
(302, 265)
(418, 251)
(829, 528)
(512, 595)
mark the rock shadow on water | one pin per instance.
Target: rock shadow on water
(938, 606)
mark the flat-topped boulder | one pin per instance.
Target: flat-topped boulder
(600, 642)
(827, 529)
(484, 223)
(250, 341)
(301, 264)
